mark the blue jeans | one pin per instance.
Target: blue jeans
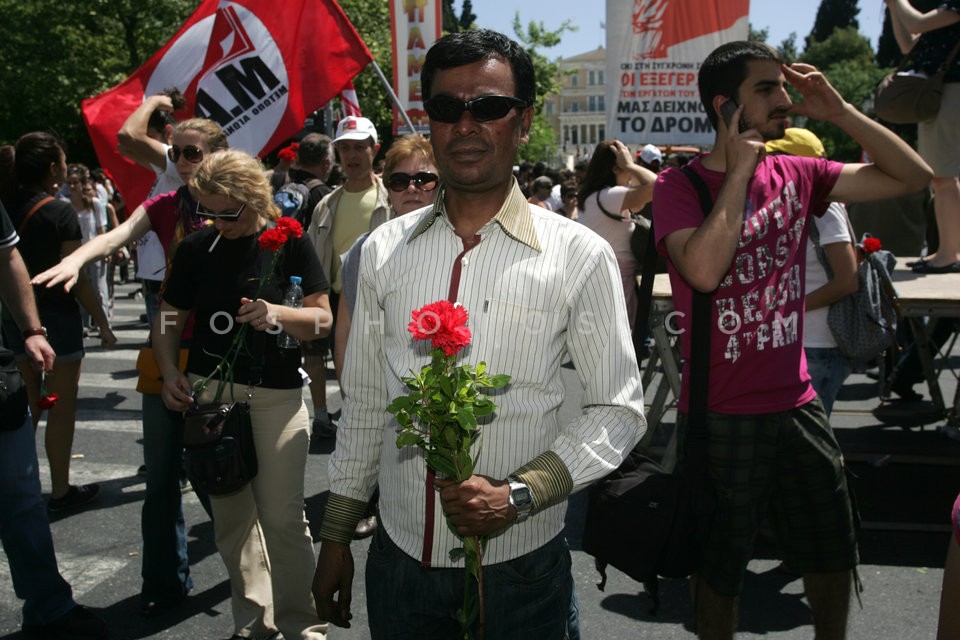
(25, 531)
(529, 597)
(828, 369)
(165, 568)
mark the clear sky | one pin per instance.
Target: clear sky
(779, 16)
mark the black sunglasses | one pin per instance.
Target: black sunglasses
(192, 153)
(219, 215)
(423, 180)
(483, 109)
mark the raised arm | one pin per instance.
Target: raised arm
(703, 254)
(896, 170)
(101, 246)
(912, 23)
(134, 142)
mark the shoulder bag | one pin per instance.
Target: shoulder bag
(646, 521)
(641, 229)
(905, 96)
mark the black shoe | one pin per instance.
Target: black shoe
(149, 608)
(77, 624)
(926, 267)
(76, 496)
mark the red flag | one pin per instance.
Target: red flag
(256, 67)
(349, 101)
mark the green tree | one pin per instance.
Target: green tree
(847, 59)
(55, 54)
(833, 15)
(536, 37)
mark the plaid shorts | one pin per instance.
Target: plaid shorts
(782, 466)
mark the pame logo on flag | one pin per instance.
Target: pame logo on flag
(230, 67)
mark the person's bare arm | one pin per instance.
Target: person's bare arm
(18, 299)
(914, 22)
(703, 254)
(897, 170)
(133, 141)
(843, 262)
(103, 245)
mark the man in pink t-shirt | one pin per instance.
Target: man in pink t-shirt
(770, 450)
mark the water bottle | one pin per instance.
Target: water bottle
(294, 300)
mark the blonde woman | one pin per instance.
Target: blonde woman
(215, 274)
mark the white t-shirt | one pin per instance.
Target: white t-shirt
(832, 226)
(151, 258)
(88, 221)
(616, 232)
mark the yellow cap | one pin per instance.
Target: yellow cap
(798, 142)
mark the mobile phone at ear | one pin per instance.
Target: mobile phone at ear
(727, 111)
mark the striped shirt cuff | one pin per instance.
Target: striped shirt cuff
(549, 480)
(341, 517)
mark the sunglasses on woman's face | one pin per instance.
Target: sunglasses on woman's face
(483, 109)
(423, 180)
(228, 215)
(192, 153)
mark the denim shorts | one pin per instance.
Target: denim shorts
(786, 467)
(64, 333)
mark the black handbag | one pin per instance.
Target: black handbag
(221, 454)
(14, 404)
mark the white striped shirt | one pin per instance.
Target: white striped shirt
(539, 289)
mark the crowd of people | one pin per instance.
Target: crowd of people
(452, 218)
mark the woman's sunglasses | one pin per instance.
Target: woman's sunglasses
(484, 109)
(424, 180)
(226, 214)
(192, 153)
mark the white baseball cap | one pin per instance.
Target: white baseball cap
(650, 154)
(356, 128)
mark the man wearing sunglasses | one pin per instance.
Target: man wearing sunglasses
(357, 206)
(540, 290)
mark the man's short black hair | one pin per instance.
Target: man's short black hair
(314, 149)
(725, 69)
(466, 47)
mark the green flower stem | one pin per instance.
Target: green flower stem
(439, 416)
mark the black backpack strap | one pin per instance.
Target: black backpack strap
(645, 295)
(699, 365)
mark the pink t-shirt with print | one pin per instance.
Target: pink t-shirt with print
(756, 350)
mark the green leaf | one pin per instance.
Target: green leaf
(400, 403)
(408, 439)
(466, 419)
(481, 367)
(499, 381)
(465, 462)
(442, 464)
(456, 554)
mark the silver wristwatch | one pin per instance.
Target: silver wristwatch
(521, 499)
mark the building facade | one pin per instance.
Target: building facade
(578, 113)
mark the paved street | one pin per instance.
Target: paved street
(907, 475)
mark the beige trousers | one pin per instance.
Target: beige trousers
(275, 501)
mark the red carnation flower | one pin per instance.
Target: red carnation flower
(871, 245)
(272, 239)
(290, 227)
(443, 323)
(48, 401)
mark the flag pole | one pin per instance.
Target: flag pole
(393, 96)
